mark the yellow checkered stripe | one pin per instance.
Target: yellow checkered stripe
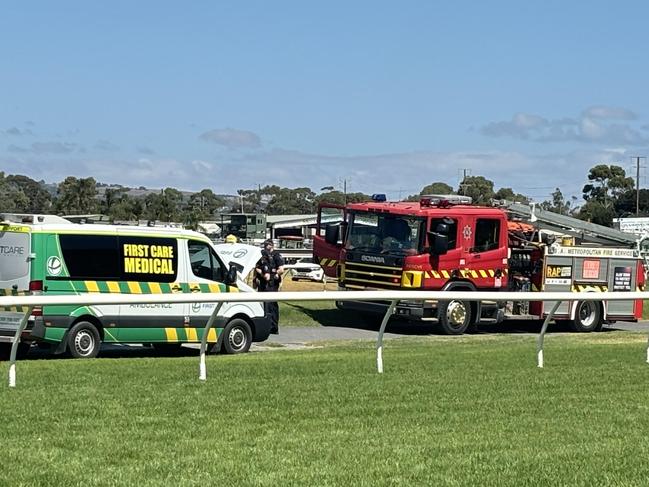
(325, 262)
(13, 292)
(465, 273)
(582, 288)
(136, 287)
(413, 279)
(189, 335)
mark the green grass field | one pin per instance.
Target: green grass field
(470, 410)
(311, 313)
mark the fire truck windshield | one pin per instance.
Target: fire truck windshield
(385, 233)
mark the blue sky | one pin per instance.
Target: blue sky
(389, 96)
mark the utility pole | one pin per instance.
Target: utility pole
(637, 185)
(344, 182)
(463, 186)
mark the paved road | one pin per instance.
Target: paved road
(302, 335)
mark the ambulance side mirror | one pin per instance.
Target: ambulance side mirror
(231, 277)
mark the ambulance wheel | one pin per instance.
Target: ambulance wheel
(454, 316)
(588, 317)
(83, 340)
(237, 337)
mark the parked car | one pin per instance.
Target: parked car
(307, 268)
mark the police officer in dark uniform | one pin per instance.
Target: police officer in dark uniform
(268, 274)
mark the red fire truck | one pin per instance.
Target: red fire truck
(443, 242)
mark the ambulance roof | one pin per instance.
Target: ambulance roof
(94, 229)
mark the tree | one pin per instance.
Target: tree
(291, 201)
(119, 206)
(509, 195)
(558, 203)
(625, 205)
(607, 184)
(201, 207)
(480, 189)
(437, 187)
(38, 199)
(76, 196)
(595, 212)
(336, 197)
(12, 199)
(164, 206)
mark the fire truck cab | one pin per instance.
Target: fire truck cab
(446, 243)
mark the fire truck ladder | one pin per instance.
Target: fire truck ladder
(585, 231)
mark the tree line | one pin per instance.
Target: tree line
(608, 194)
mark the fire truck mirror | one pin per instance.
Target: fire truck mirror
(438, 242)
(332, 234)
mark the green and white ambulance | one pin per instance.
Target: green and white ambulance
(47, 254)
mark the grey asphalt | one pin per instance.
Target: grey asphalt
(304, 335)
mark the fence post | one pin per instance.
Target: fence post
(379, 343)
(14, 346)
(202, 368)
(539, 343)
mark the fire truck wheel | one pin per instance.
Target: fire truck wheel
(588, 317)
(454, 316)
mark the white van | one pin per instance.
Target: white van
(37, 256)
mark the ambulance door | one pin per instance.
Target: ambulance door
(329, 237)
(152, 265)
(14, 272)
(206, 274)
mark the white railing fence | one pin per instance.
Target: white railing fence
(393, 297)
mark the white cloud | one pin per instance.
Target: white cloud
(397, 174)
(609, 113)
(592, 126)
(16, 132)
(202, 165)
(232, 138)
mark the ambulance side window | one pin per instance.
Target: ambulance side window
(14, 256)
(93, 257)
(204, 262)
(487, 233)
